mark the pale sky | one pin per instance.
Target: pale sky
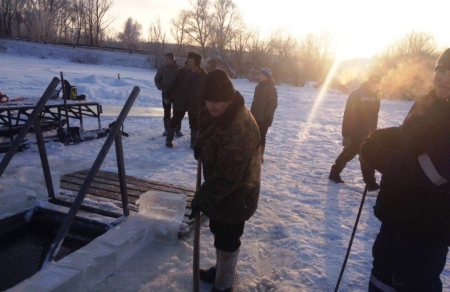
(357, 28)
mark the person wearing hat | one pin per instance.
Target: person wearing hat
(360, 119)
(162, 80)
(186, 89)
(265, 101)
(229, 146)
(413, 203)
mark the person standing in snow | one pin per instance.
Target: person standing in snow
(265, 101)
(211, 65)
(229, 146)
(413, 204)
(162, 80)
(186, 89)
(360, 119)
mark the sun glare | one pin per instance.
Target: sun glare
(303, 135)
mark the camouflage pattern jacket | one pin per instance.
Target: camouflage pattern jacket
(231, 161)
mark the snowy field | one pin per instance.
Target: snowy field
(298, 237)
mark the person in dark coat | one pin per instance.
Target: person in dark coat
(186, 89)
(360, 119)
(265, 101)
(229, 146)
(413, 204)
(162, 80)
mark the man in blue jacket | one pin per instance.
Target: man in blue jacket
(413, 204)
(360, 119)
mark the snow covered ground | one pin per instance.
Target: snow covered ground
(298, 237)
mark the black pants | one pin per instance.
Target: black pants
(226, 236)
(263, 128)
(406, 264)
(167, 109)
(347, 154)
(178, 117)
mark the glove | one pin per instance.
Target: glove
(195, 209)
(375, 154)
(197, 152)
(346, 141)
(166, 101)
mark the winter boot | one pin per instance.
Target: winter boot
(226, 271)
(169, 138)
(335, 175)
(178, 132)
(166, 126)
(194, 136)
(263, 147)
(209, 275)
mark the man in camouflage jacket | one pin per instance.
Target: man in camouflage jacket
(229, 145)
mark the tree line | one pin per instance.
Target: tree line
(215, 29)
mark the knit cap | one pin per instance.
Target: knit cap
(266, 72)
(218, 86)
(170, 55)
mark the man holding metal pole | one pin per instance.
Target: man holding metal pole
(413, 204)
(229, 147)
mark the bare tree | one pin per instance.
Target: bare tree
(131, 34)
(226, 19)
(411, 45)
(178, 31)
(7, 13)
(239, 45)
(315, 55)
(198, 24)
(78, 20)
(157, 39)
(96, 18)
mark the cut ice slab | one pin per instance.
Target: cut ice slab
(163, 206)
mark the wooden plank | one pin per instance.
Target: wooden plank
(105, 188)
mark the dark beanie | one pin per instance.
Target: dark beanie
(197, 58)
(444, 61)
(374, 78)
(218, 86)
(170, 55)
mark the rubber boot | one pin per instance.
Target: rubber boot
(209, 275)
(169, 138)
(226, 271)
(194, 136)
(178, 132)
(166, 126)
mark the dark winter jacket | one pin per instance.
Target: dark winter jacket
(415, 191)
(164, 76)
(361, 113)
(231, 158)
(265, 101)
(186, 90)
